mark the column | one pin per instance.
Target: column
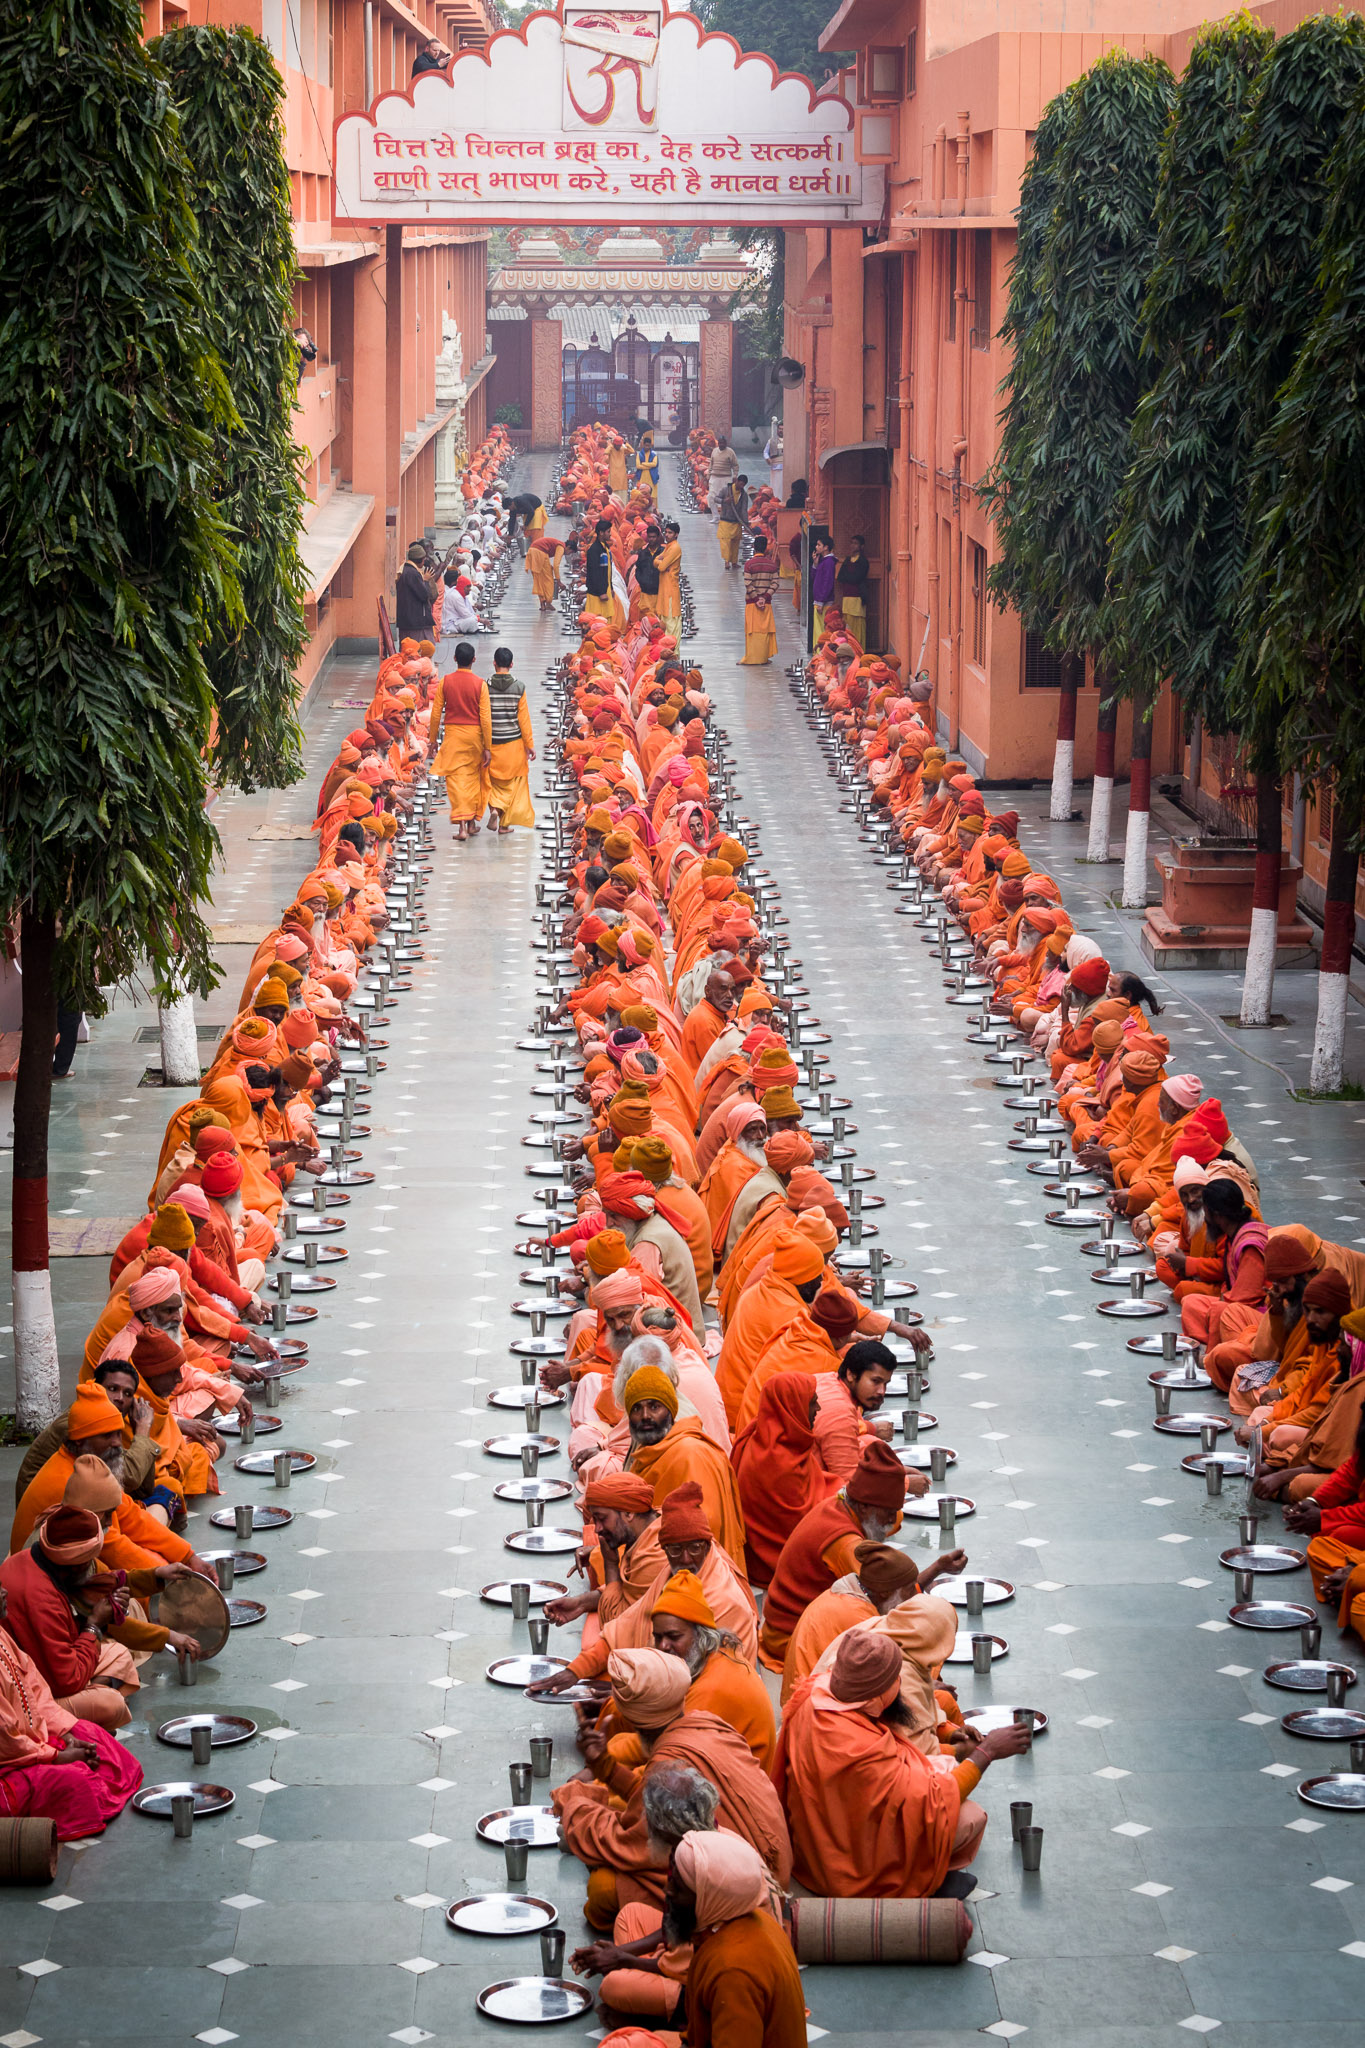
(547, 377)
(716, 355)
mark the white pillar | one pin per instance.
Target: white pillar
(179, 1043)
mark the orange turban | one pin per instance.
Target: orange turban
(92, 1413)
(814, 1224)
(808, 1189)
(786, 1150)
(628, 1116)
(653, 1157)
(683, 1597)
(607, 1252)
(641, 1017)
(619, 1490)
(649, 1686)
(797, 1258)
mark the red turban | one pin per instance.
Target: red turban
(879, 1481)
(1091, 978)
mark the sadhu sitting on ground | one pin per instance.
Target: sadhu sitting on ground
(648, 1694)
(1334, 1517)
(55, 1765)
(870, 1815)
(741, 1979)
(822, 1547)
(882, 1579)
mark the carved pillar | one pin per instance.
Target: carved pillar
(547, 374)
(715, 358)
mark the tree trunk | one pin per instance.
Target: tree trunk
(179, 1043)
(1064, 759)
(1258, 983)
(1334, 966)
(1102, 797)
(37, 1384)
(1139, 806)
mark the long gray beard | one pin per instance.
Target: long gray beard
(1293, 1315)
(114, 1460)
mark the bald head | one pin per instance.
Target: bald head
(720, 992)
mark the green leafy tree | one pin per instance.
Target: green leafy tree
(230, 95)
(1077, 386)
(788, 31)
(113, 557)
(1179, 550)
(1013, 491)
(1305, 574)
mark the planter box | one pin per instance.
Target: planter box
(1204, 918)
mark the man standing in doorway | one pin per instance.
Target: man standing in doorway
(852, 586)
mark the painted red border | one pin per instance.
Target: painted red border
(484, 56)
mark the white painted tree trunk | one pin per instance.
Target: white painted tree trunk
(179, 1043)
(1063, 774)
(1101, 808)
(36, 1376)
(1135, 861)
(1258, 981)
(1329, 1037)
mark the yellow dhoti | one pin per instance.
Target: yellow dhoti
(508, 789)
(760, 635)
(855, 618)
(460, 760)
(727, 533)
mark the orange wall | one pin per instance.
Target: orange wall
(982, 73)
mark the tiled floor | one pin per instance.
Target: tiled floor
(1181, 1892)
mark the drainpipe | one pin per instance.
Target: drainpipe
(1300, 821)
(907, 469)
(933, 253)
(960, 435)
(369, 53)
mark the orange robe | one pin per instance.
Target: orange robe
(688, 1453)
(762, 1313)
(801, 1347)
(135, 1541)
(721, 1186)
(824, 1621)
(869, 1816)
(702, 1028)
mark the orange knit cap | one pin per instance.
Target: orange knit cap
(607, 1252)
(92, 1413)
(684, 1598)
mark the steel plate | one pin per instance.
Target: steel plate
(1151, 1347)
(511, 1446)
(1103, 1276)
(524, 1397)
(231, 1426)
(1097, 1246)
(915, 1457)
(537, 1826)
(1179, 1381)
(927, 1423)
(1341, 1791)
(961, 1652)
(1073, 1219)
(245, 1613)
(1306, 1674)
(537, 2001)
(326, 1255)
(501, 1913)
(302, 1283)
(1271, 1614)
(544, 1542)
(524, 1670)
(225, 1730)
(1132, 1311)
(156, 1799)
(538, 1347)
(499, 1594)
(955, 1589)
(1263, 1557)
(1086, 1189)
(244, 1562)
(263, 1462)
(532, 1489)
(1324, 1724)
(1190, 1423)
(555, 1310)
(261, 1518)
(987, 1719)
(1235, 1464)
(925, 1509)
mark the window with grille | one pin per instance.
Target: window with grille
(1042, 665)
(978, 603)
(981, 288)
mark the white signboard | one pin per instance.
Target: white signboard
(606, 114)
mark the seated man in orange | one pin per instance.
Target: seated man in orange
(882, 1578)
(1334, 1517)
(822, 1546)
(1295, 1397)
(119, 1435)
(724, 1682)
(870, 1816)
